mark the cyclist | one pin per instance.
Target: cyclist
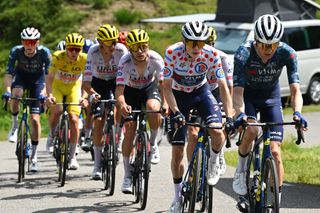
(100, 82)
(139, 72)
(257, 67)
(122, 37)
(213, 84)
(27, 68)
(187, 64)
(61, 45)
(64, 79)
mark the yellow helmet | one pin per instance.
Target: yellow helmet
(212, 35)
(137, 36)
(74, 39)
(107, 32)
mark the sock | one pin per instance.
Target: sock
(73, 150)
(177, 188)
(214, 155)
(242, 162)
(127, 167)
(15, 120)
(153, 136)
(97, 156)
(88, 133)
(34, 149)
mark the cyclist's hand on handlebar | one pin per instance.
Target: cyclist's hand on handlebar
(126, 110)
(229, 126)
(179, 119)
(298, 117)
(165, 109)
(95, 97)
(6, 96)
(50, 100)
(84, 102)
(239, 120)
(42, 98)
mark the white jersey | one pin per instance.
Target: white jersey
(189, 75)
(96, 66)
(227, 68)
(129, 76)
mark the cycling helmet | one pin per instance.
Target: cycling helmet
(87, 44)
(137, 36)
(74, 39)
(107, 32)
(268, 29)
(61, 45)
(30, 33)
(212, 35)
(122, 37)
(195, 30)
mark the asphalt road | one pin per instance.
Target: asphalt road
(40, 192)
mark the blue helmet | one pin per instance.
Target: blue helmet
(87, 44)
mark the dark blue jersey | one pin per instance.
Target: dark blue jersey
(34, 68)
(251, 73)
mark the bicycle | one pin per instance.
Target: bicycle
(194, 185)
(140, 159)
(261, 175)
(61, 142)
(110, 152)
(23, 147)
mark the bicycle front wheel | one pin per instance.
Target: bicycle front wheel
(251, 182)
(21, 150)
(270, 186)
(111, 161)
(195, 180)
(64, 151)
(207, 197)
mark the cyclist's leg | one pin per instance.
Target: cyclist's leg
(192, 141)
(274, 114)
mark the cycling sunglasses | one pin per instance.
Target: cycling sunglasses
(192, 44)
(264, 46)
(28, 42)
(110, 43)
(140, 46)
(75, 49)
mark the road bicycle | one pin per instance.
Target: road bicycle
(23, 147)
(110, 152)
(61, 142)
(261, 174)
(140, 159)
(194, 185)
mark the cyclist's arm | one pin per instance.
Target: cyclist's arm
(168, 95)
(49, 80)
(238, 102)
(296, 97)
(7, 82)
(226, 98)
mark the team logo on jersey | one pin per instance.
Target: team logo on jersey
(183, 64)
(200, 67)
(220, 73)
(166, 72)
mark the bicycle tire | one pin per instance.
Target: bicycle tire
(145, 169)
(64, 151)
(136, 169)
(271, 188)
(249, 182)
(111, 162)
(195, 172)
(207, 199)
(21, 150)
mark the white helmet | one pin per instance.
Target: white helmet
(30, 33)
(195, 30)
(268, 29)
(61, 45)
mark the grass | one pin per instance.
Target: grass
(301, 164)
(305, 109)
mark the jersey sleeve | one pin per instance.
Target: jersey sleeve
(292, 67)
(215, 68)
(159, 65)
(54, 62)
(121, 73)
(47, 60)
(227, 68)
(240, 59)
(11, 61)
(168, 64)
(88, 67)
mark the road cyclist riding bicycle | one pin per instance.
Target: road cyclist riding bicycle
(187, 65)
(100, 82)
(27, 69)
(64, 79)
(139, 72)
(257, 67)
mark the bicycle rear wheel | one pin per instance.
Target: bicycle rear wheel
(64, 151)
(270, 186)
(195, 180)
(111, 161)
(21, 150)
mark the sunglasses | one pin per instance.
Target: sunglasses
(75, 49)
(192, 44)
(29, 42)
(110, 43)
(142, 46)
(264, 46)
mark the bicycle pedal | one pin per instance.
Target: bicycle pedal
(243, 204)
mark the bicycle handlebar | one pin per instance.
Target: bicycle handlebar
(297, 124)
(5, 107)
